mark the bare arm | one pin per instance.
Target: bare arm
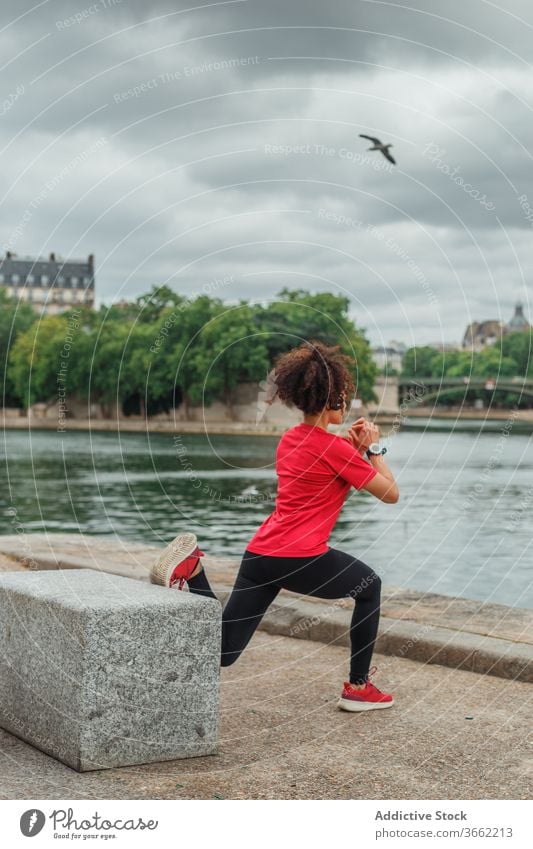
(383, 484)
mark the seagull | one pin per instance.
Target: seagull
(378, 145)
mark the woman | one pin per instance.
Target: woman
(290, 551)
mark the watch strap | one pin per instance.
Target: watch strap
(376, 453)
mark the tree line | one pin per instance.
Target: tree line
(164, 349)
(510, 356)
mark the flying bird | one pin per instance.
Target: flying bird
(378, 145)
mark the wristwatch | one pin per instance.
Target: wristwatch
(375, 448)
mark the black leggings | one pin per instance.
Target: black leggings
(333, 574)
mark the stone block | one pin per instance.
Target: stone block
(102, 671)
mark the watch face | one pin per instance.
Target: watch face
(374, 448)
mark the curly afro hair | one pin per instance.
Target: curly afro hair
(313, 376)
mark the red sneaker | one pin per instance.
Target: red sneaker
(177, 562)
(368, 698)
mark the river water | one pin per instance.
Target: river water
(462, 526)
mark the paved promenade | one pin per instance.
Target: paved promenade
(452, 733)
(487, 638)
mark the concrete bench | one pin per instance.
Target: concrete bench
(101, 671)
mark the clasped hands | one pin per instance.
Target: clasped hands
(362, 433)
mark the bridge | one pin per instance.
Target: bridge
(411, 392)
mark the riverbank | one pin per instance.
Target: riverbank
(415, 418)
(451, 734)
(459, 633)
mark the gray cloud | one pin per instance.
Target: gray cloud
(224, 141)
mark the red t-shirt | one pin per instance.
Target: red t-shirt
(315, 472)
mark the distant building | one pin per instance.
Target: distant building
(479, 335)
(389, 356)
(51, 285)
(518, 322)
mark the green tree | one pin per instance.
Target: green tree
(230, 351)
(41, 356)
(518, 346)
(175, 358)
(113, 355)
(421, 361)
(150, 307)
(165, 348)
(491, 363)
(113, 365)
(298, 315)
(15, 318)
(459, 365)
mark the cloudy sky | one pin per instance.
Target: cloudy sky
(189, 143)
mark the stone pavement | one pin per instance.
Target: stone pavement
(460, 633)
(451, 734)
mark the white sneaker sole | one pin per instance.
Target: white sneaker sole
(348, 704)
(175, 553)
